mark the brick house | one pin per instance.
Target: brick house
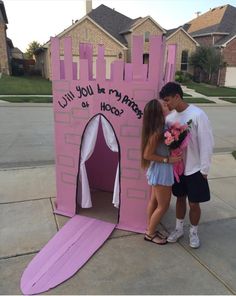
(186, 45)
(217, 28)
(4, 55)
(104, 25)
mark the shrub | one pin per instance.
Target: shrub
(183, 76)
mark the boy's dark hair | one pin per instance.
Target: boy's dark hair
(171, 89)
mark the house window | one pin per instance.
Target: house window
(184, 61)
(146, 36)
(146, 58)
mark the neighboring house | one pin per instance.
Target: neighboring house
(104, 25)
(186, 45)
(8, 53)
(16, 53)
(17, 62)
(4, 54)
(217, 28)
(10, 47)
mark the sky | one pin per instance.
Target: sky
(38, 20)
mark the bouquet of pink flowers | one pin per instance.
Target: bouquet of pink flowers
(176, 138)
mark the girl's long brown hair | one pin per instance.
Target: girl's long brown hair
(153, 122)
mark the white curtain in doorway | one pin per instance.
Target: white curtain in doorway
(111, 142)
(88, 145)
(89, 141)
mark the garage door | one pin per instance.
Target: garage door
(230, 77)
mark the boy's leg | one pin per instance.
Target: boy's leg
(198, 191)
(181, 207)
(179, 190)
(194, 213)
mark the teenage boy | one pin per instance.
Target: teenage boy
(197, 157)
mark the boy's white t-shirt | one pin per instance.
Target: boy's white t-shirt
(197, 156)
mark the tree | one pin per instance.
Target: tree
(208, 59)
(31, 49)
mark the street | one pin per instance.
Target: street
(27, 138)
(223, 121)
(26, 135)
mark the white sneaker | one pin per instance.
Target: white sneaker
(194, 241)
(175, 235)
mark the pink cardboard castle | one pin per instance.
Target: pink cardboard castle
(79, 105)
(87, 109)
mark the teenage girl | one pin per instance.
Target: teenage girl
(156, 159)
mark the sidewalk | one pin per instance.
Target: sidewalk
(125, 264)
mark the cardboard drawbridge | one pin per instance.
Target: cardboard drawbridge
(98, 124)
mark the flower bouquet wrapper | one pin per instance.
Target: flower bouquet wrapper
(178, 167)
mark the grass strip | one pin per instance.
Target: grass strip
(234, 154)
(198, 101)
(27, 99)
(187, 95)
(49, 100)
(231, 100)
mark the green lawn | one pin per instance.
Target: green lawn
(25, 85)
(211, 90)
(197, 100)
(27, 99)
(231, 100)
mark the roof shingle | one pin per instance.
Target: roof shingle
(112, 21)
(207, 19)
(217, 20)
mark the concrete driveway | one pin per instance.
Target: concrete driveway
(126, 264)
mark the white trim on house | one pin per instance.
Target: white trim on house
(225, 44)
(210, 34)
(181, 29)
(46, 45)
(141, 21)
(217, 33)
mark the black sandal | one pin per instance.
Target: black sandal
(151, 239)
(161, 235)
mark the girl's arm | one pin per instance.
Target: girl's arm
(150, 152)
(150, 149)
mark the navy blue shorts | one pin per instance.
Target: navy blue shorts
(194, 186)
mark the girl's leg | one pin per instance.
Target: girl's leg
(152, 205)
(163, 196)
